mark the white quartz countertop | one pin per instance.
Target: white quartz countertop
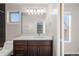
(33, 38)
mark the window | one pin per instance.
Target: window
(14, 17)
(67, 28)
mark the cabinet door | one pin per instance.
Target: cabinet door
(40, 48)
(33, 50)
(45, 50)
(36, 50)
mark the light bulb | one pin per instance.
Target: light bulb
(34, 11)
(31, 11)
(27, 10)
(38, 11)
(42, 11)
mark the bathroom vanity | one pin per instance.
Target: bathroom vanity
(33, 47)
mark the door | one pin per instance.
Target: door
(2, 24)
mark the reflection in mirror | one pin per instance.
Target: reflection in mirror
(40, 28)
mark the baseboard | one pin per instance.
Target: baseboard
(74, 52)
(71, 54)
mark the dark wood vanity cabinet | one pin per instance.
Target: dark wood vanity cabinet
(2, 24)
(33, 48)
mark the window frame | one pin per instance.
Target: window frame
(18, 14)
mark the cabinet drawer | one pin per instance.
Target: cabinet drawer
(39, 42)
(19, 52)
(20, 42)
(19, 48)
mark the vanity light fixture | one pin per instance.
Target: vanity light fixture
(35, 11)
(42, 11)
(31, 11)
(38, 11)
(28, 11)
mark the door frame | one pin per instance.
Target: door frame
(61, 29)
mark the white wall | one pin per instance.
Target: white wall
(73, 46)
(12, 30)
